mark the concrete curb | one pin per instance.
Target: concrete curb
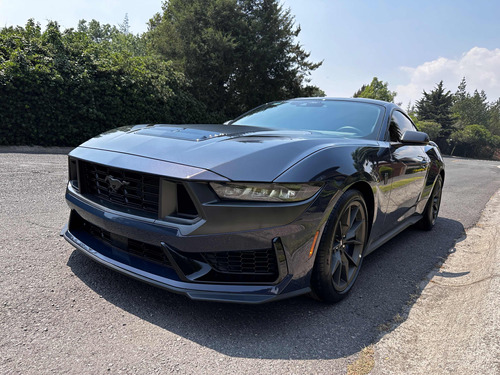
(453, 326)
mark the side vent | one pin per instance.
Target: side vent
(176, 203)
(185, 205)
(73, 173)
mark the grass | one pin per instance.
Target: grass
(364, 364)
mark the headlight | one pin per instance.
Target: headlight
(265, 192)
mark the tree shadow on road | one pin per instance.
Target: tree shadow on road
(298, 328)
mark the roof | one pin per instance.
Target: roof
(363, 100)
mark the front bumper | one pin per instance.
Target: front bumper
(250, 294)
(291, 242)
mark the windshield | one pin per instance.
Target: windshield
(347, 119)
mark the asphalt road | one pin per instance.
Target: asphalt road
(62, 313)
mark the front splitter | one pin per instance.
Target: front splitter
(244, 294)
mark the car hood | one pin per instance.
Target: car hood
(239, 153)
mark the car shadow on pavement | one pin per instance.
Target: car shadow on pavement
(298, 328)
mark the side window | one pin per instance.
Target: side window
(398, 125)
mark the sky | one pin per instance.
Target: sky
(412, 45)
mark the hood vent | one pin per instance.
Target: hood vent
(187, 134)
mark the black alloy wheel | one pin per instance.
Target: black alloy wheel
(340, 252)
(431, 211)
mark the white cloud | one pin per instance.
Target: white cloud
(480, 67)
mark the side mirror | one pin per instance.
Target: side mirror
(228, 122)
(411, 137)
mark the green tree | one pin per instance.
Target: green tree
(376, 90)
(96, 32)
(436, 106)
(236, 53)
(475, 141)
(494, 118)
(60, 88)
(124, 26)
(274, 66)
(433, 129)
(312, 91)
(198, 37)
(470, 109)
(119, 40)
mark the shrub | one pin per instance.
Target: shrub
(59, 89)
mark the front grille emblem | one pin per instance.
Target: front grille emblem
(114, 183)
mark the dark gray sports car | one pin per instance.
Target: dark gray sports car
(287, 199)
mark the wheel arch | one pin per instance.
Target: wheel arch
(366, 191)
(321, 280)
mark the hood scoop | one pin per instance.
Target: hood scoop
(179, 132)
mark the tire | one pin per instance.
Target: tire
(431, 211)
(341, 249)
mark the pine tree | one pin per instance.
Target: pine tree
(470, 109)
(236, 53)
(436, 106)
(357, 94)
(125, 27)
(494, 118)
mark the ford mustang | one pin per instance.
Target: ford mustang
(286, 199)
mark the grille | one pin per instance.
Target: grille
(133, 190)
(139, 249)
(262, 262)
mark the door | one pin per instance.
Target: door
(409, 165)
